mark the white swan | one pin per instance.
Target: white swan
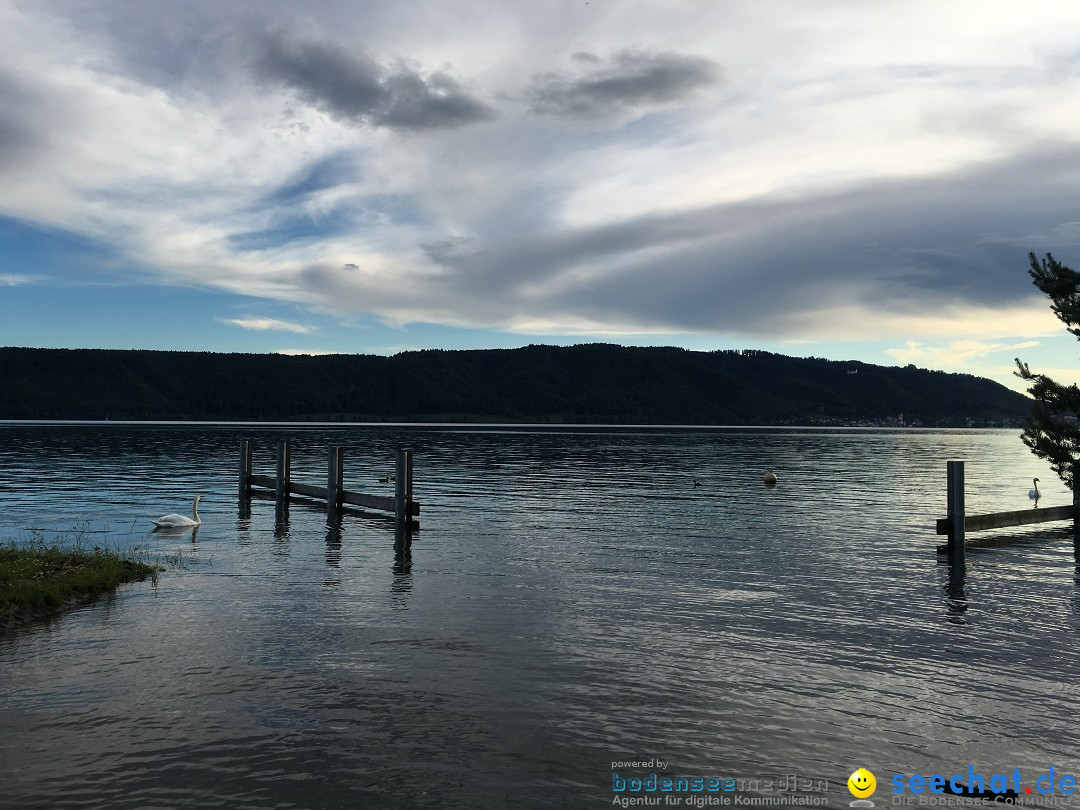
(174, 521)
(1034, 492)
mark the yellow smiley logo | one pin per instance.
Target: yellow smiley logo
(862, 783)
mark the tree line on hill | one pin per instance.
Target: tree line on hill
(593, 383)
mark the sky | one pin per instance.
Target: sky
(847, 179)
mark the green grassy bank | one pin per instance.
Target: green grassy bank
(39, 580)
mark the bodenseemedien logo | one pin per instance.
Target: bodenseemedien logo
(862, 785)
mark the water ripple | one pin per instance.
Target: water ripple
(572, 599)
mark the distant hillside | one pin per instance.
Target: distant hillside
(595, 383)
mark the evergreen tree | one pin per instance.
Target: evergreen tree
(1052, 430)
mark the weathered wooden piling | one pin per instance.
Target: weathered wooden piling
(1076, 501)
(955, 478)
(335, 482)
(957, 523)
(334, 493)
(245, 468)
(403, 490)
(284, 462)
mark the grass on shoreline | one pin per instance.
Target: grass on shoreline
(41, 577)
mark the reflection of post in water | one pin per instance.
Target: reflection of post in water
(243, 507)
(281, 519)
(956, 598)
(243, 529)
(401, 586)
(333, 545)
(333, 554)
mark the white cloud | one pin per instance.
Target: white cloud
(268, 324)
(956, 354)
(993, 359)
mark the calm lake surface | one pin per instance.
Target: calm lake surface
(572, 600)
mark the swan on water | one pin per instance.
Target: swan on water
(173, 521)
(1034, 493)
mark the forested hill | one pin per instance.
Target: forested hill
(596, 383)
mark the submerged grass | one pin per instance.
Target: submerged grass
(37, 578)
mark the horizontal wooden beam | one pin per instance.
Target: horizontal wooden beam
(376, 502)
(384, 502)
(308, 490)
(1000, 520)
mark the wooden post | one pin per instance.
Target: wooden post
(284, 459)
(1076, 499)
(408, 488)
(335, 479)
(956, 512)
(402, 492)
(245, 468)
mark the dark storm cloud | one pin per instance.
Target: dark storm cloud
(636, 81)
(895, 246)
(352, 86)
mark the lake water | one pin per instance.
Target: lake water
(571, 601)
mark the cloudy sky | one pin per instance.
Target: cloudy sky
(844, 179)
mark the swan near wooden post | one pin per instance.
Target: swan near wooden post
(179, 521)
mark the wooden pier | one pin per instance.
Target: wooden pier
(958, 523)
(401, 503)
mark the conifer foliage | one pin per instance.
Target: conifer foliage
(1052, 430)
